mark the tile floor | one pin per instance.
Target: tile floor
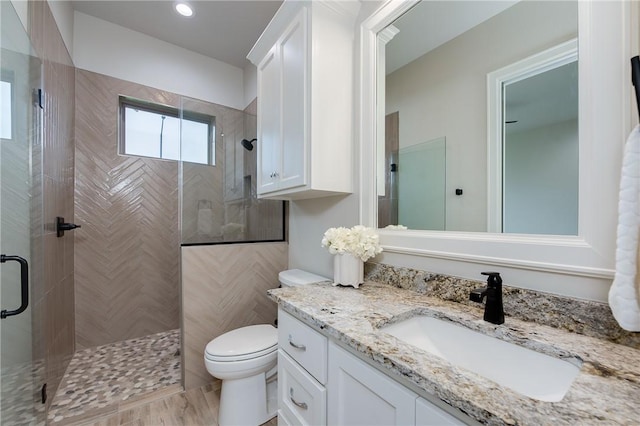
(108, 379)
(196, 407)
(19, 397)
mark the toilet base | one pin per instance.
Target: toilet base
(245, 401)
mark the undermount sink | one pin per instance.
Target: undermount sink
(523, 370)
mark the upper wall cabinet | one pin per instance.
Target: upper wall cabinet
(305, 100)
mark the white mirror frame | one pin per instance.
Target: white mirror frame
(578, 266)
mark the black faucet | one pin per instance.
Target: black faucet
(493, 311)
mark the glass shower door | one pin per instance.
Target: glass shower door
(20, 222)
(422, 170)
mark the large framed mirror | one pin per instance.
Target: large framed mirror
(443, 95)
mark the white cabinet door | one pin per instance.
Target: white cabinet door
(428, 414)
(269, 117)
(358, 394)
(293, 52)
(305, 99)
(282, 111)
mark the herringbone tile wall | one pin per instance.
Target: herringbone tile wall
(127, 255)
(224, 287)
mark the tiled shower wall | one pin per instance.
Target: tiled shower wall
(230, 190)
(53, 298)
(215, 188)
(128, 251)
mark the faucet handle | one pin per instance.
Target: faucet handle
(477, 295)
(494, 279)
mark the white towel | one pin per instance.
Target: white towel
(623, 297)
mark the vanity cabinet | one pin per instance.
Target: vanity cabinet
(429, 414)
(302, 373)
(304, 61)
(362, 395)
(321, 383)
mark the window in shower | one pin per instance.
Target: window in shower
(153, 130)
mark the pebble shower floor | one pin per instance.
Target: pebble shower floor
(108, 375)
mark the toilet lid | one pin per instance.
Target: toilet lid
(243, 343)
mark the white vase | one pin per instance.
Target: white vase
(348, 270)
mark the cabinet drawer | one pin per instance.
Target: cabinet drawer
(302, 400)
(305, 345)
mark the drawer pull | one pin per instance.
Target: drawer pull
(295, 345)
(302, 405)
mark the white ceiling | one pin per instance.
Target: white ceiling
(223, 30)
(430, 24)
(226, 30)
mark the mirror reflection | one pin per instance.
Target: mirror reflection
(540, 153)
(435, 165)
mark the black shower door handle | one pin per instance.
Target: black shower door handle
(24, 285)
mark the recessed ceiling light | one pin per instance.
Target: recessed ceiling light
(184, 9)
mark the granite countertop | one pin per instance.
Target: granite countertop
(606, 391)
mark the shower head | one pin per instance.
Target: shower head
(248, 144)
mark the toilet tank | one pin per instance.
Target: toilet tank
(294, 277)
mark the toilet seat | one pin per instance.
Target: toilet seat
(242, 357)
(244, 343)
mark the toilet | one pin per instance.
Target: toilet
(245, 359)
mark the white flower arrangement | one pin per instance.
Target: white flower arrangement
(359, 241)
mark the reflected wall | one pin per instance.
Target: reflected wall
(444, 93)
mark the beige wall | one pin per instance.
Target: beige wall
(444, 94)
(52, 303)
(223, 288)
